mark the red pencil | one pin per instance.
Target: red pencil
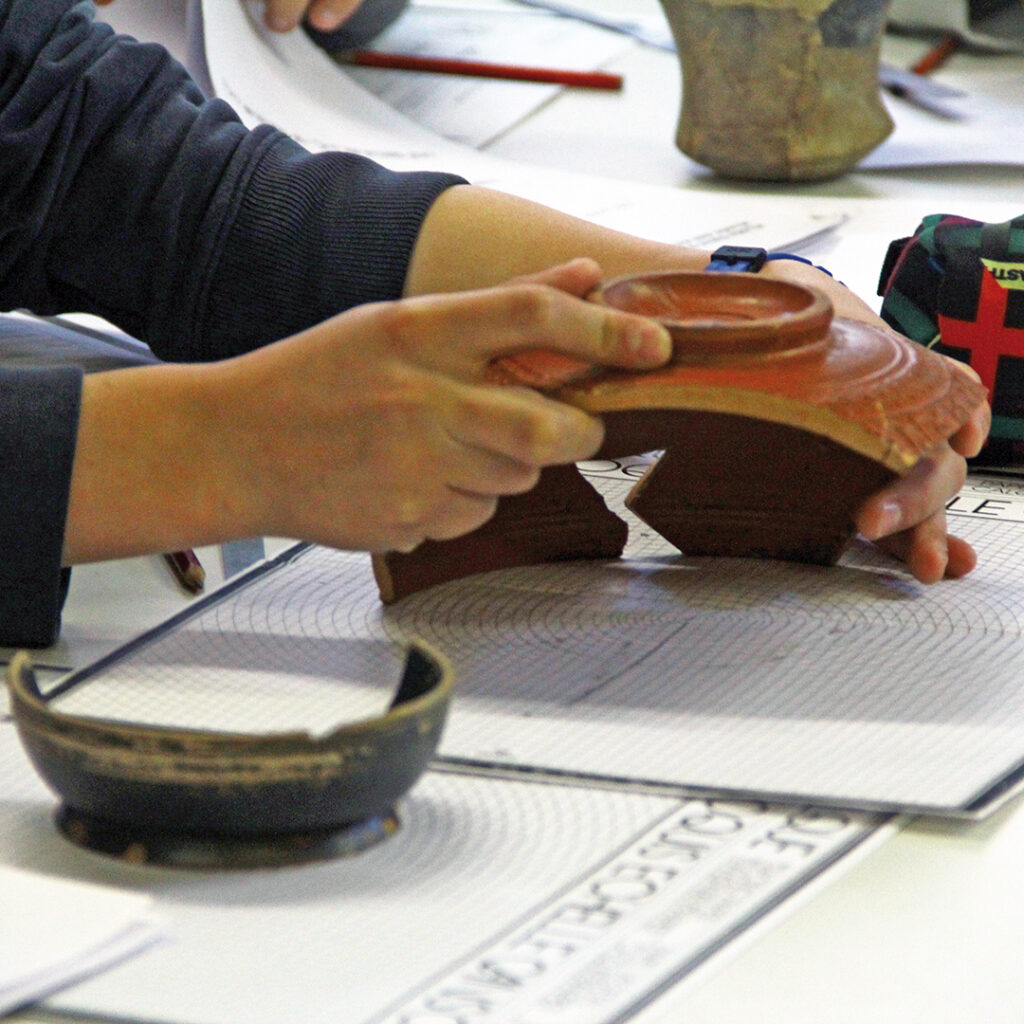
(937, 55)
(187, 569)
(481, 69)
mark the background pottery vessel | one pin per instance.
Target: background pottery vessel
(776, 419)
(779, 90)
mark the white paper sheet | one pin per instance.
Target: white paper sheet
(983, 126)
(474, 111)
(287, 81)
(55, 932)
(496, 901)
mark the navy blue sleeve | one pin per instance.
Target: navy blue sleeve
(38, 415)
(124, 192)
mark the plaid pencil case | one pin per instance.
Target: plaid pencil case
(957, 286)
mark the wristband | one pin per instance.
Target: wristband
(741, 258)
(749, 259)
(799, 259)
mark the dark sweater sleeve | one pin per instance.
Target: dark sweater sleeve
(124, 192)
(38, 417)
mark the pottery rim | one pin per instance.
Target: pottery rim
(713, 316)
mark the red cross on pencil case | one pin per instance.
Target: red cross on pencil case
(957, 285)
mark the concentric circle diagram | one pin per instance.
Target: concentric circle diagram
(729, 654)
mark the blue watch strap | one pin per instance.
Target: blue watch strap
(749, 259)
(743, 258)
(798, 259)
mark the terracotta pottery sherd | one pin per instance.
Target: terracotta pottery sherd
(562, 518)
(776, 420)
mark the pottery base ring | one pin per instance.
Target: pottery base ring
(136, 844)
(776, 422)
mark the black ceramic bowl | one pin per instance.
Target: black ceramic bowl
(168, 786)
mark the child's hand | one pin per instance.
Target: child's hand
(325, 15)
(377, 429)
(908, 518)
(284, 15)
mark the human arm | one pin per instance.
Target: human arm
(158, 210)
(370, 431)
(211, 240)
(374, 431)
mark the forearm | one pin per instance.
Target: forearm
(152, 469)
(475, 236)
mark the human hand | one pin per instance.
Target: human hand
(284, 15)
(908, 517)
(845, 302)
(377, 430)
(325, 15)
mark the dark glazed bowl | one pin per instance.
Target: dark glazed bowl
(205, 786)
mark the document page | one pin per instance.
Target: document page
(469, 110)
(495, 902)
(57, 931)
(289, 82)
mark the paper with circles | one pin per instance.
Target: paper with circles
(496, 902)
(566, 830)
(851, 686)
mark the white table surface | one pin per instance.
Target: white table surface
(927, 927)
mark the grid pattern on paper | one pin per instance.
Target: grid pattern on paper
(851, 685)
